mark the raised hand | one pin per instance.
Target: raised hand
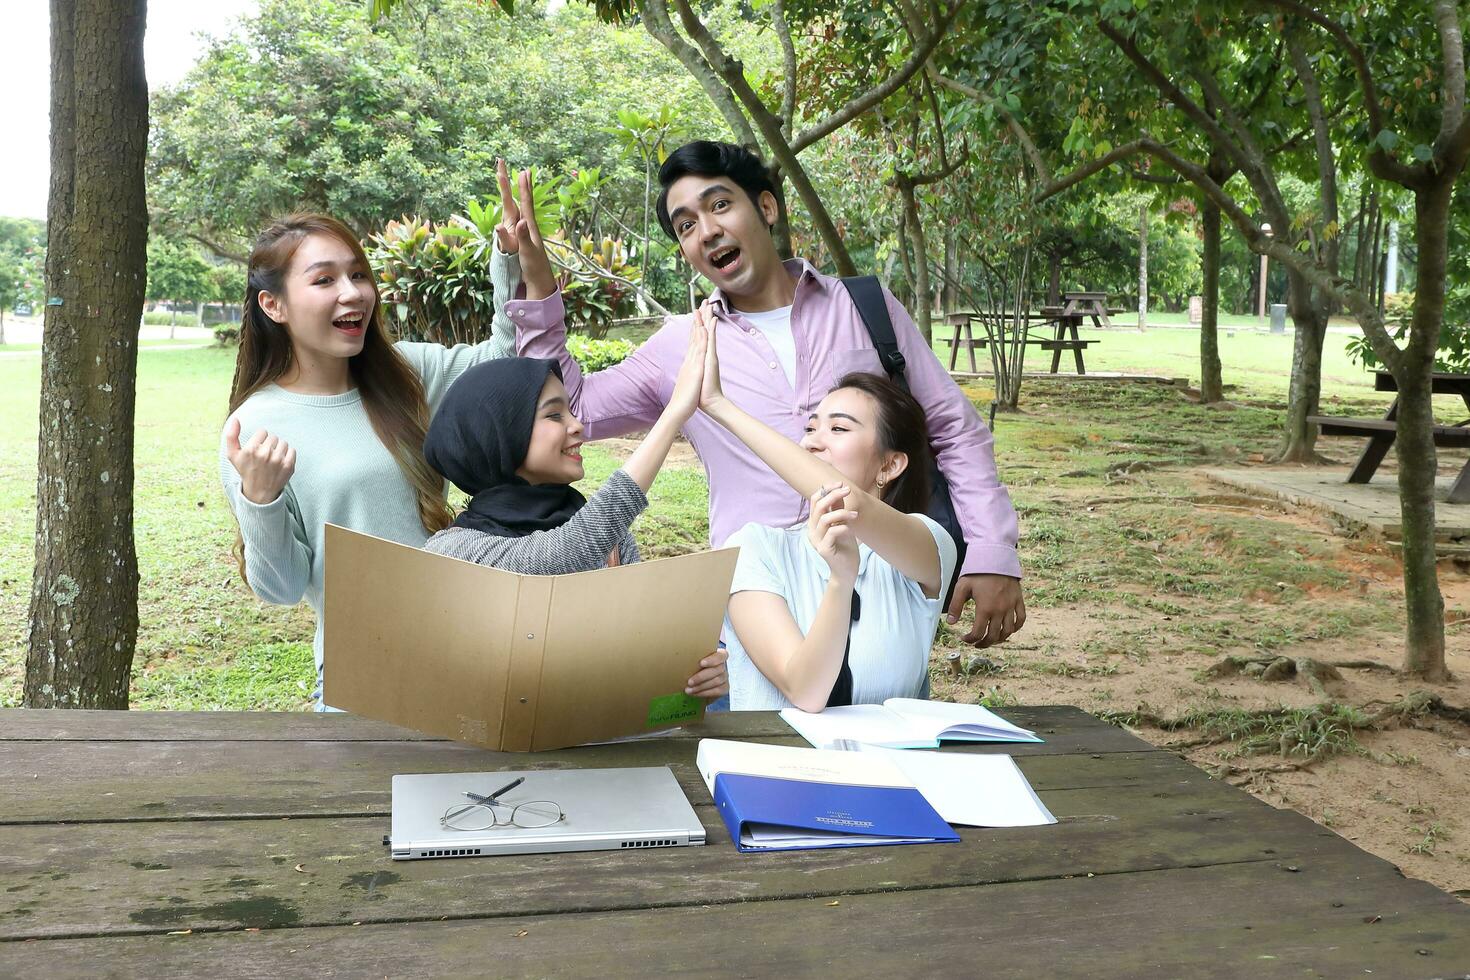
(265, 463)
(510, 212)
(688, 385)
(535, 266)
(710, 391)
(828, 527)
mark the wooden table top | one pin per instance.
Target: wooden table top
(1440, 383)
(227, 844)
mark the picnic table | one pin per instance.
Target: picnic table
(1082, 305)
(1382, 432)
(228, 844)
(997, 328)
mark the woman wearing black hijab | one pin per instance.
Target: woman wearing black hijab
(505, 435)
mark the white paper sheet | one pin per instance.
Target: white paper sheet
(975, 790)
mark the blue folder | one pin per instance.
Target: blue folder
(765, 813)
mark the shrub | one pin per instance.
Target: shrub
(227, 334)
(162, 318)
(592, 301)
(594, 355)
(435, 284)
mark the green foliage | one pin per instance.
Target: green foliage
(226, 334)
(594, 355)
(22, 262)
(177, 272)
(227, 283)
(434, 281)
(309, 105)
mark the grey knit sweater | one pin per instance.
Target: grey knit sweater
(580, 545)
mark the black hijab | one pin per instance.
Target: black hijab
(481, 435)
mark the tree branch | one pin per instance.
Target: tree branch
(1177, 96)
(655, 17)
(1379, 161)
(788, 64)
(1452, 42)
(1326, 159)
(857, 106)
(1077, 176)
(588, 268)
(1028, 145)
(223, 251)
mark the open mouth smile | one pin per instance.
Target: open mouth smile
(725, 258)
(352, 324)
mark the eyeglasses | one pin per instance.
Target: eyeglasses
(489, 811)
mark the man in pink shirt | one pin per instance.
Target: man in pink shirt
(792, 333)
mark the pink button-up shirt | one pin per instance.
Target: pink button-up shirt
(831, 341)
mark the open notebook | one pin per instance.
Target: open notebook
(905, 723)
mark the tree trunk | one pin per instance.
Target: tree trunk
(1210, 387)
(781, 230)
(1424, 654)
(951, 271)
(1309, 317)
(923, 301)
(903, 253)
(1054, 279)
(1143, 267)
(84, 595)
(1418, 462)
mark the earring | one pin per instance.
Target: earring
(881, 482)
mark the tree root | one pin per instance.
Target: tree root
(1315, 673)
(1313, 733)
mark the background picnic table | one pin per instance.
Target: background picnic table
(249, 844)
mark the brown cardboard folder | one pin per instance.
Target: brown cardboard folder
(516, 662)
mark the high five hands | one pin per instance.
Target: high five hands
(518, 232)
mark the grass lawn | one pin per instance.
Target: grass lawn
(1252, 360)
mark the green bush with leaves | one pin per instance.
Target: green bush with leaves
(593, 299)
(227, 334)
(163, 318)
(594, 355)
(434, 281)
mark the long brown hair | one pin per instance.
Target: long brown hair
(392, 393)
(901, 429)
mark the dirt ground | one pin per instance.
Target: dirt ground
(1398, 793)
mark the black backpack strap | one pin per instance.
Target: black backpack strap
(867, 296)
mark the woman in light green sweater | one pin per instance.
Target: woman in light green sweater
(327, 414)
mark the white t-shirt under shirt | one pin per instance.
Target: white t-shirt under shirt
(890, 642)
(776, 325)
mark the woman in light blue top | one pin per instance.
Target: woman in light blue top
(841, 609)
(328, 414)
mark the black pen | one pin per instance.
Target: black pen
(499, 792)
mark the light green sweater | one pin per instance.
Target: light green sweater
(344, 474)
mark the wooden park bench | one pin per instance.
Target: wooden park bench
(996, 330)
(1382, 432)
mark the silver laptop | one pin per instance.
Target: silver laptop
(591, 810)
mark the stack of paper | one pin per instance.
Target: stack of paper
(905, 723)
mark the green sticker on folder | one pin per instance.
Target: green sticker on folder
(672, 708)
